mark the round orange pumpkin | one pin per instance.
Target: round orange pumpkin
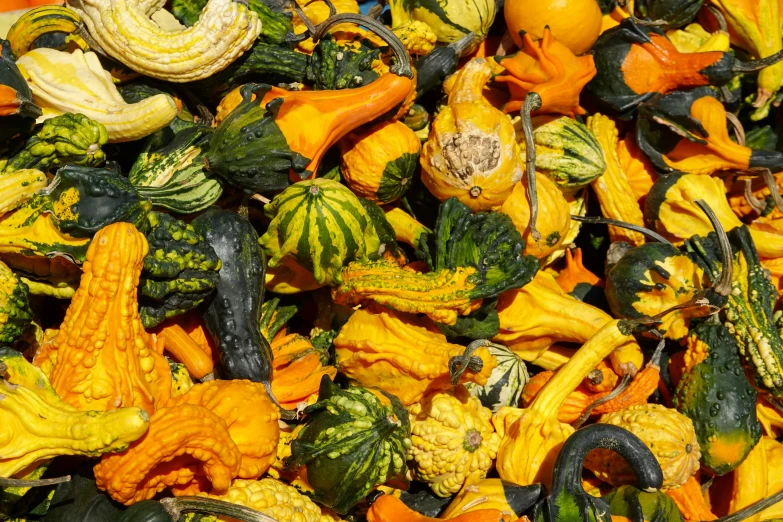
(575, 23)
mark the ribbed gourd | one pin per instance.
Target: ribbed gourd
(452, 440)
(471, 152)
(506, 382)
(49, 26)
(18, 187)
(354, 440)
(124, 30)
(322, 224)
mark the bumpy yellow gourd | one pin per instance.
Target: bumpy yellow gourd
(77, 83)
(123, 28)
(35, 425)
(401, 355)
(19, 186)
(452, 440)
(417, 37)
(471, 152)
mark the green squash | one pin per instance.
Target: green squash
(15, 312)
(505, 383)
(717, 397)
(353, 441)
(17, 110)
(629, 503)
(68, 139)
(79, 500)
(323, 225)
(676, 13)
(566, 151)
(275, 25)
(388, 249)
(333, 66)
(48, 26)
(275, 317)
(180, 271)
(441, 63)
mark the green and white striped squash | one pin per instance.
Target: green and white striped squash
(323, 225)
(505, 383)
(566, 151)
(450, 20)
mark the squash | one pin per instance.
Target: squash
(573, 407)
(690, 500)
(77, 83)
(506, 382)
(406, 228)
(715, 394)
(750, 480)
(484, 175)
(450, 21)
(638, 170)
(297, 370)
(102, 331)
(379, 163)
(613, 190)
(576, 23)
(384, 359)
(52, 26)
(15, 312)
(553, 210)
(38, 425)
(17, 109)
(693, 38)
(452, 440)
(668, 434)
(676, 13)
(566, 151)
(62, 140)
(317, 13)
(180, 379)
(275, 23)
(417, 37)
(18, 187)
(548, 68)
(577, 205)
(442, 62)
(339, 64)
(306, 214)
(387, 508)
(178, 343)
(576, 280)
(125, 32)
(559, 318)
(762, 202)
(353, 441)
(493, 493)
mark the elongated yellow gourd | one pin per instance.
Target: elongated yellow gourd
(17, 187)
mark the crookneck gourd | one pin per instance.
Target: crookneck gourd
(355, 439)
(50, 26)
(102, 358)
(17, 110)
(37, 425)
(77, 83)
(297, 370)
(452, 440)
(471, 152)
(124, 30)
(275, 24)
(449, 22)
(551, 70)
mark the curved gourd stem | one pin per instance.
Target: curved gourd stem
(463, 43)
(21, 483)
(755, 203)
(402, 65)
(752, 509)
(606, 221)
(175, 506)
(532, 103)
(718, 14)
(639, 21)
(723, 287)
(626, 380)
(756, 65)
(739, 130)
(772, 185)
(459, 364)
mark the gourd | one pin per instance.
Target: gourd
(537, 425)
(669, 435)
(337, 64)
(17, 109)
(505, 383)
(388, 508)
(384, 358)
(613, 190)
(432, 69)
(50, 26)
(297, 370)
(15, 312)
(353, 441)
(715, 394)
(693, 38)
(493, 493)
(180, 271)
(554, 220)
(575, 24)
(123, 29)
(635, 62)
(178, 343)
(232, 316)
(550, 69)
(275, 24)
(450, 21)
(276, 116)
(318, 13)
(417, 37)
(671, 208)
(62, 140)
(701, 144)
(452, 440)
(406, 228)
(638, 170)
(689, 499)
(577, 281)
(676, 13)
(566, 151)
(559, 317)
(102, 331)
(379, 163)
(76, 82)
(471, 153)
(38, 426)
(323, 225)
(180, 378)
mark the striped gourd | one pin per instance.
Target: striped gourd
(49, 26)
(504, 386)
(566, 151)
(323, 225)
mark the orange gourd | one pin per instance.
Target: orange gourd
(297, 370)
(388, 508)
(691, 502)
(573, 407)
(575, 273)
(184, 349)
(575, 23)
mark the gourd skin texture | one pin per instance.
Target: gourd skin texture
(15, 312)
(505, 383)
(78, 83)
(452, 440)
(18, 187)
(450, 21)
(101, 358)
(36, 425)
(374, 348)
(668, 434)
(225, 30)
(17, 111)
(298, 370)
(45, 26)
(471, 152)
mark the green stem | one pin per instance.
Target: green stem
(532, 103)
(175, 506)
(21, 483)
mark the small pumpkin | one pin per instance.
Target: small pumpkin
(379, 163)
(576, 23)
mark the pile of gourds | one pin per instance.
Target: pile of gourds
(268, 260)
